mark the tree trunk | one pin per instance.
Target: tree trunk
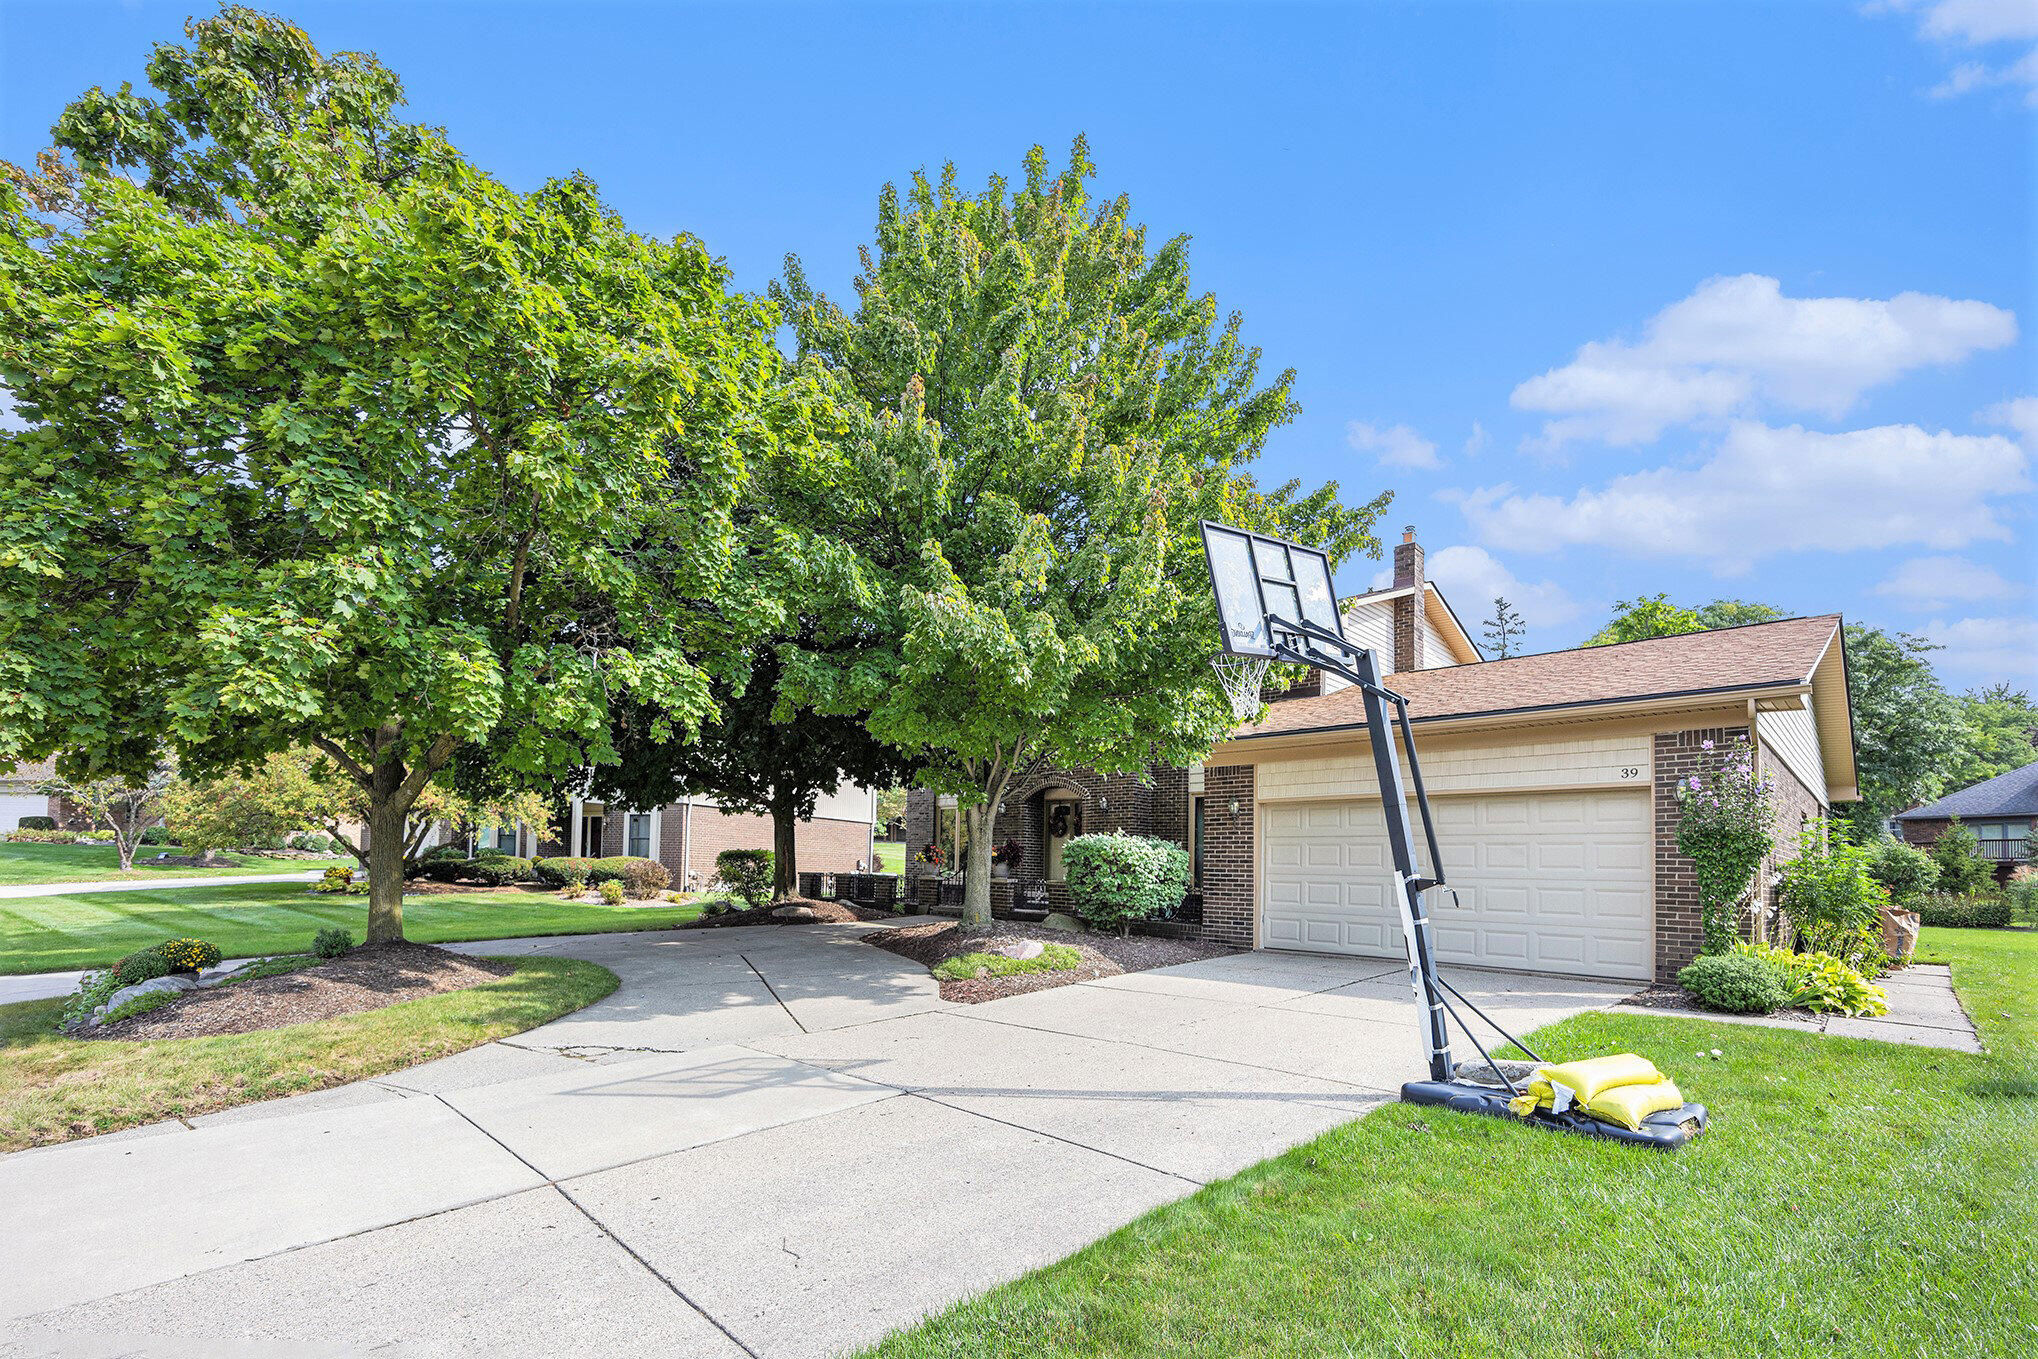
(976, 867)
(388, 810)
(785, 862)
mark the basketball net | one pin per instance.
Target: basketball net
(1240, 677)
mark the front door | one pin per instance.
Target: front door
(1062, 821)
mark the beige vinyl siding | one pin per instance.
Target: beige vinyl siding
(1436, 652)
(1370, 625)
(1553, 762)
(1794, 736)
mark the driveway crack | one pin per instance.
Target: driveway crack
(774, 993)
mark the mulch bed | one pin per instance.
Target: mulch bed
(825, 912)
(368, 978)
(1663, 996)
(1104, 955)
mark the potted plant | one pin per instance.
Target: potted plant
(1006, 858)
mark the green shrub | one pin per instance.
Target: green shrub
(155, 835)
(338, 878)
(438, 852)
(1827, 892)
(188, 955)
(1906, 871)
(331, 942)
(1962, 870)
(1117, 879)
(2022, 894)
(1820, 981)
(445, 870)
(499, 870)
(140, 966)
(1735, 983)
(97, 837)
(313, 842)
(612, 891)
(562, 871)
(140, 1005)
(1967, 911)
(1053, 958)
(30, 836)
(747, 874)
(37, 823)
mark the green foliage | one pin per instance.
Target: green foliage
(1734, 613)
(611, 891)
(1643, 617)
(157, 835)
(1905, 871)
(331, 942)
(1962, 910)
(1907, 730)
(645, 878)
(1052, 958)
(338, 878)
(1821, 981)
(562, 871)
(188, 955)
(44, 837)
(136, 1006)
(1828, 894)
(746, 873)
(499, 870)
(2022, 894)
(1723, 827)
(140, 966)
(437, 852)
(313, 843)
(93, 989)
(1503, 631)
(1957, 855)
(46, 823)
(332, 440)
(1999, 721)
(1033, 409)
(1117, 879)
(1735, 983)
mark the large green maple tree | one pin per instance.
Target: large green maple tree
(1035, 409)
(334, 441)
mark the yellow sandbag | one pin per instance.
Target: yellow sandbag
(1558, 1087)
(1628, 1105)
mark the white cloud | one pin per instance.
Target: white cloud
(1470, 577)
(1982, 651)
(1934, 582)
(1393, 445)
(1477, 440)
(1738, 341)
(2019, 413)
(1978, 24)
(1766, 490)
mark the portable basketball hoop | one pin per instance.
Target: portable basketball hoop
(1275, 603)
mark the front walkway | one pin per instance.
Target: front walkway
(1923, 1011)
(769, 1141)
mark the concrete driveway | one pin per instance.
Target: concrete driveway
(769, 1141)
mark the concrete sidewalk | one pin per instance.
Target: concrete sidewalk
(769, 1141)
(14, 891)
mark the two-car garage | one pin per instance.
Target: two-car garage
(1546, 881)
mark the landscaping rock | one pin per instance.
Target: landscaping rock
(176, 982)
(794, 913)
(1021, 950)
(1057, 920)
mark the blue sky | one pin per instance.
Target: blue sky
(1712, 299)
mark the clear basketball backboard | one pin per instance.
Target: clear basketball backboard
(1262, 582)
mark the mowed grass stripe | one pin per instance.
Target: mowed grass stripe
(64, 933)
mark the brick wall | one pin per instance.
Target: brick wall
(1923, 834)
(1677, 755)
(1229, 905)
(920, 805)
(1796, 807)
(1171, 805)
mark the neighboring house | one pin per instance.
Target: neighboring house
(1552, 779)
(18, 795)
(686, 835)
(2000, 811)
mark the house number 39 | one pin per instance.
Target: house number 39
(1630, 771)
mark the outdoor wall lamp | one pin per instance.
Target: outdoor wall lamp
(1234, 806)
(1103, 804)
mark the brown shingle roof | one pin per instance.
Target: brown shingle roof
(1757, 655)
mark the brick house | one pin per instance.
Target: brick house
(2000, 811)
(686, 835)
(1551, 776)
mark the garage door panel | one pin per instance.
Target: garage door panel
(1549, 882)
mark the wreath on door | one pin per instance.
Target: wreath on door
(1058, 820)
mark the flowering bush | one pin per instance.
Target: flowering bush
(338, 878)
(1724, 831)
(188, 955)
(931, 856)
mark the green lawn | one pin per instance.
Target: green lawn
(53, 1088)
(28, 863)
(92, 929)
(891, 856)
(1852, 1198)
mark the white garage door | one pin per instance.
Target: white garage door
(1547, 882)
(14, 806)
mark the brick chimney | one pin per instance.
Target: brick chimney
(1408, 609)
